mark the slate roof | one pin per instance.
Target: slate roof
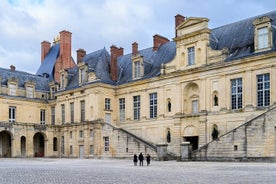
(41, 83)
(238, 37)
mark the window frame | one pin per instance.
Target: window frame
(122, 109)
(236, 93)
(42, 116)
(191, 55)
(153, 101)
(263, 90)
(82, 110)
(136, 107)
(107, 104)
(12, 114)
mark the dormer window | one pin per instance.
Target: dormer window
(263, 34)
(137, 69)
(12, 89)
(191, 56)
(63, 78)
(62, 81)
(29, 92)
(262, 37)
(82, 72)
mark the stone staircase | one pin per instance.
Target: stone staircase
(253, 140)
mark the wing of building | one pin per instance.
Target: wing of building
(208, 94)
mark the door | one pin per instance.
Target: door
(81, 151)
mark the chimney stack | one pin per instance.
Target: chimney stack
(178, 20)
(65, 49)
(80, 54)
(45, 48)
(12, 67)
(159, 40)
(115, 53)
(134, 48)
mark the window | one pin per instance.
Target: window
(53, 115)
(195, 106)
(263, 90)
(62, 145)
(82, 75)
(136, 107)
(82, 104)
(137, 69)
(12, 112)
(236, 93)
(55, 145)
(29, 92)
(153, 105)
(106, 143)
(191, 56)
(107, 104)
(12, 89)
(107, 118)
(72, 112)
(262, 38)
(62, 81)
(42, 116)
(81, 134)
(62, 113)
(91, 133)
(71, 134)
(122, 108)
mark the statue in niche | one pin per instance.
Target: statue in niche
(215, 100)
(215, 134)
(168, 136)
(169, 106)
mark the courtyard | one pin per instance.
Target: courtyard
(110, 171)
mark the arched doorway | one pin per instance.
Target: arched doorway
(23, 146)
(39, 146)
(191, 135)
(5, 144)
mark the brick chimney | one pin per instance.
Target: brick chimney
(64, 61)
(134, 48)
(159, 40)
(80, 54)
(12, 67)
(115, 53)
(45, 48)
(178, 20)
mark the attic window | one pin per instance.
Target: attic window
(262, 37)
(263, 34)
(137, 69)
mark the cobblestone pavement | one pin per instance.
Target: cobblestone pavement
(106, 171)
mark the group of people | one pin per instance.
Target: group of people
(141, 159)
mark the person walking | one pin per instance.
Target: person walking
(148, 159)
(135, 159)
(141, 159)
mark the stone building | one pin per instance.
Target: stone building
(207, 94)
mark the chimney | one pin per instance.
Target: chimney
(80, 54)
(12, 67)
(159, 40)
(45, 48)
(115, 53)
(65, 49)
(178, 20)
(134, 48)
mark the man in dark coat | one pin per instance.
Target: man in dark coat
(135, 159)
(141, 159)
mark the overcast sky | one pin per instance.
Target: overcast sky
(96, 24)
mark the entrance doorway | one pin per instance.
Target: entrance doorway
(5, 144)
(38, 141)
(193, 141)
(81, 151)
(23, 146)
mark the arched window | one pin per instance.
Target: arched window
(55, 144)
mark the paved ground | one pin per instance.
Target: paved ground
(94, 171)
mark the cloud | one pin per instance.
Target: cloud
(24, 24)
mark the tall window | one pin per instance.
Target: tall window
(82, 75)
(62, 81)
(29, 92)
(82, 104)
(136, 107)
(153, 105)
(12, 89)
(81, 134)
(263, 90)
(262, 38)
(191, 56)
(106, 143)
(107, 104)
(72, 116)
(122, 108)
(62, 113)
(53, 115)
(55, 144)
(12, 114)
(42, 116)
(236, 93)
(195, 106)
(137, 69)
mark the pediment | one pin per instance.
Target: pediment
(191, 21)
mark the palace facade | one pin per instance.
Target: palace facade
(206, 94)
